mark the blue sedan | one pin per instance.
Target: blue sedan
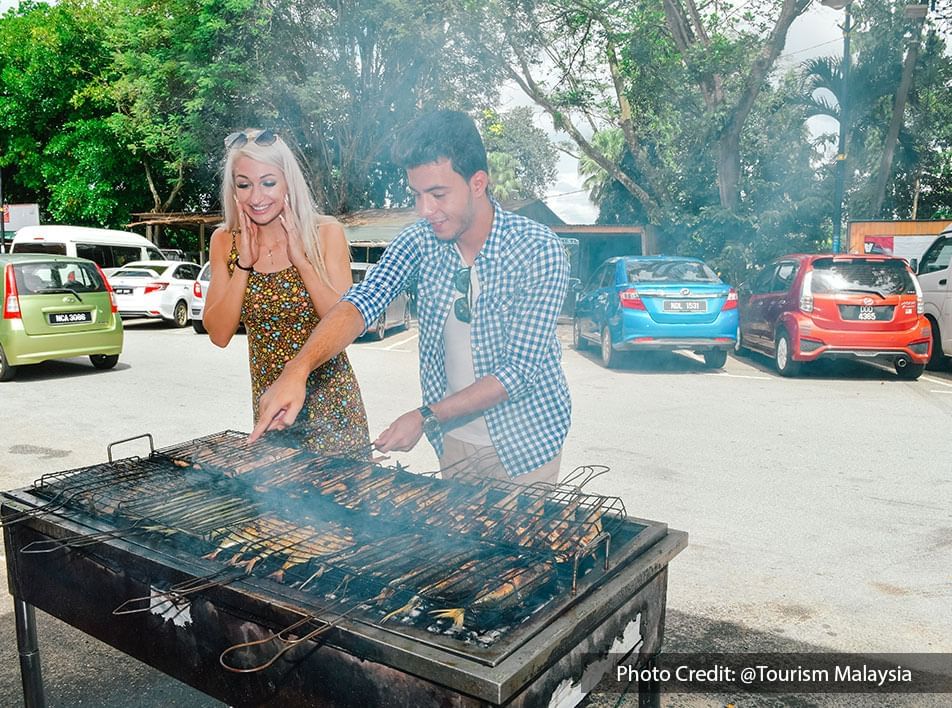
(636, 303)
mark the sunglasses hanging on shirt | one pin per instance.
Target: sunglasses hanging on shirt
(462, 308)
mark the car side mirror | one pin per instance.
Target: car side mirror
(914, 264)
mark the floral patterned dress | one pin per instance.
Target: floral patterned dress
(279, 317)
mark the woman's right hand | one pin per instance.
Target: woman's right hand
(247, 239)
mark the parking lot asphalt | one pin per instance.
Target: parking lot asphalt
(819, 508)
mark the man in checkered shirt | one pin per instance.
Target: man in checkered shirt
(490, 286)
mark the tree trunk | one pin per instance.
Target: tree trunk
(728, 170)
(898, 115)
(711, 85)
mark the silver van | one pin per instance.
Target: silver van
(934, 271)
(107, 247)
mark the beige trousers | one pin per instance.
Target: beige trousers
(463, 458)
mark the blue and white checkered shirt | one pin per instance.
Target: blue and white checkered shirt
(523, 276)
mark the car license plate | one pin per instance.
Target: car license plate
(685, 306)
(122, 291)
(70, 317)
(867, 313)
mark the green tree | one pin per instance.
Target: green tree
(502, 176)
(344, 76)
(183, 75)
(57, 145)
(534, 157)
(654, 69)
(610, 142)
(900, 100)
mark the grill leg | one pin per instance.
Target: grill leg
(649, 692)
(33, 695)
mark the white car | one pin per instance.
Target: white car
(199, 291)
(155, 289)
(935, 278)
(397, 313)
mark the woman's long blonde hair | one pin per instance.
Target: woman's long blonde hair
(307, 219)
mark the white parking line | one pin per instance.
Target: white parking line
(402, 341)
(743, 376)
(931, 379)
(939, 390)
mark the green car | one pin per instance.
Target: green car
(55, 307)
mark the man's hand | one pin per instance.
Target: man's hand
(403, 434)
(281, 403)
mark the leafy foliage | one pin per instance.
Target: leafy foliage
(532, 156)
(108, 107)
(58, 146)
(919, 181)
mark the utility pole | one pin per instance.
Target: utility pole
(840, 176)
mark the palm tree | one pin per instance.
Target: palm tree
(610, 142)
(502, 176)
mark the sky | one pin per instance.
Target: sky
(815, 33)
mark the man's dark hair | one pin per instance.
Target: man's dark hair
(441, 134)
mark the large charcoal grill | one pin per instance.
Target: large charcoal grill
(120, 537)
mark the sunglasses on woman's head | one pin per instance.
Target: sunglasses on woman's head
(240, 139)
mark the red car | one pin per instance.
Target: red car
(804, 307)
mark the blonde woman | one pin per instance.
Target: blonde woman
(278, 266)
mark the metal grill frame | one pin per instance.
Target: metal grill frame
(527, 675)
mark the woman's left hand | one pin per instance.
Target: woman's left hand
(296, 253)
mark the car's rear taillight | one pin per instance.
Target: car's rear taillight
(806, 293)
(155, 287)
(197, 289)
(11, 298)
(113, 306)
(631, 300)
(731, 302)
(920, 306)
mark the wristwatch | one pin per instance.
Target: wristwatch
(431, 424)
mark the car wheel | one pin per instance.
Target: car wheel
(715, 358)
(609, 356)
(381, 329)
(7, 372)
(909, 371)
(180, 314)
(783, 356)
(199, 326)
(406, 317)
(937, 361)
(578, 341)
(104, 361)
(740, 349)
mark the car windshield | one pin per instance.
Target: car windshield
(41, 278)
(669, 272)
(859, 275)
(135, 273)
